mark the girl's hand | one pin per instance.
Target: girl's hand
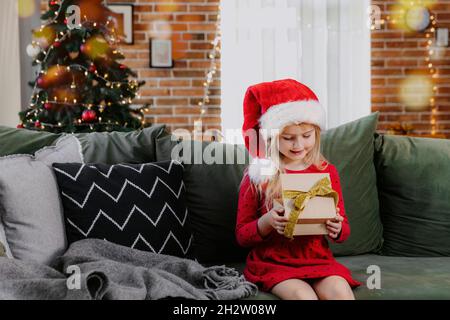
(334, 226)
(277, 219)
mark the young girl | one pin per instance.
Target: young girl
(287, 118)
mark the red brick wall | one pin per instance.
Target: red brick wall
(397, 54)
(175, 93)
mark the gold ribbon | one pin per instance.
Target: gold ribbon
(320, 188)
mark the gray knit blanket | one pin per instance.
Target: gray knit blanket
(97, 269)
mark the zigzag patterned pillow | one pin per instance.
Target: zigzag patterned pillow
(136, 205)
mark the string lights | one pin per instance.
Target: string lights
(430, 35)
(213, 57)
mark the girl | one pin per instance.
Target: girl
(286, 117)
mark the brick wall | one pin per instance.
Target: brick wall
(175, 93)
(398, 54)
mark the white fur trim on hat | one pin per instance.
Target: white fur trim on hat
(261, 170)
(278, 116)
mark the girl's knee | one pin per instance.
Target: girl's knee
(334, 288)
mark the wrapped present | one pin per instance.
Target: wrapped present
(309, 201)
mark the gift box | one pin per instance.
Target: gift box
(309, 201)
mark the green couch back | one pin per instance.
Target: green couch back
(414, 189)
(98, 147)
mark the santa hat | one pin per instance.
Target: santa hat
(273, 105)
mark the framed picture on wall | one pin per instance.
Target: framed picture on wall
(161, 53)
(122, 15)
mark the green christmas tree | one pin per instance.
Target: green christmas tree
(81, 85)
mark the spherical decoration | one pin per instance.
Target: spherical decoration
(84, 48)
(57, 44)
(33, 50)
(418, 18)
(89, 116)
(122, 66)
(48, 106)
(42, 42)
(20, 126)
(92, 68)
(40, 82)
(37, 124)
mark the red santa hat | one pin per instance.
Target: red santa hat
(273, 105)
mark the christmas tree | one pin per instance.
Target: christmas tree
(81, 85)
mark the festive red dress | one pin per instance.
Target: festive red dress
(276, 258)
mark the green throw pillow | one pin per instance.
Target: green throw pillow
(350, 147)
(414, 188)
(98, 147)
(22, 141)
(121, 147)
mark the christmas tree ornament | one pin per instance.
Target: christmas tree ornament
(37, 124)
(48, 106)
(20, 126)
(33, 50)
(89, 116)
(41, 82)
(92, 68)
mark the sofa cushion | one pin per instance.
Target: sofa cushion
(414, 187)
(121, 147)
(22, 141)
(401, 278)
(98, 147)
(350, 147)
(211, 194)
(30, 207)
(136, 205)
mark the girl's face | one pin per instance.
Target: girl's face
(296, 141)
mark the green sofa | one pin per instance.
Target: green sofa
(395, 192)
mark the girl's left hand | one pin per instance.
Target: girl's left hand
(334, 226)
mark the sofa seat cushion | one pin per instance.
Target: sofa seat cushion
(401, 277)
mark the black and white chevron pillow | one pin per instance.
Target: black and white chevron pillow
(141, 206)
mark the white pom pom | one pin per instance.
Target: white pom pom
(33, 50)
(261, 170)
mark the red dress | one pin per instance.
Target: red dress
(275, 258)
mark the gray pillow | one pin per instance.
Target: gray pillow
(30, 207)
(4, 248)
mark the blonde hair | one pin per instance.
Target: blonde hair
(272, 188)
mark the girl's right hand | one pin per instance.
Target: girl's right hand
(277, 219)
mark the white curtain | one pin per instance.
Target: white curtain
(9, 63)
(324, 44)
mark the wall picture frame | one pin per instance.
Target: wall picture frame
(161, 53)
(123, 19)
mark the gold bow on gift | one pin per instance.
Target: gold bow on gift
(320, 188)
